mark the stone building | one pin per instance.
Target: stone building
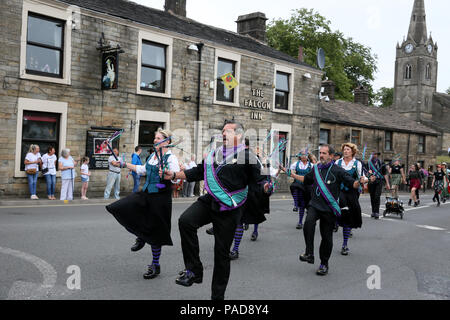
(74, 71)
(380, 129)
(416, 69)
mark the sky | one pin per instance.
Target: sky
(378, 24)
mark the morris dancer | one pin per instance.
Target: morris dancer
(300, 192)
(377, 175)
(397, 177)
(327, 179)
(147, 214)
(438, 184)
(349, 198)
(227, 172)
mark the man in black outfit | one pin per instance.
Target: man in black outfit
(235, 168)
(377, 175)
(320, 207)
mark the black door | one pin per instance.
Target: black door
(147, 131)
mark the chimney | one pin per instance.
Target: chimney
(177, 7)
(300, 53)
(253, 24)
(329, 87)
(361, 95)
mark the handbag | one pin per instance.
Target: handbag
(45, 170)
(31, 171)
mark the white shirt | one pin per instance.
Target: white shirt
(32, 157)
(172, 164)
(50, 163)
(349, 166)
(191, 165)
(84, 171)
(302, 166)
(111, 167)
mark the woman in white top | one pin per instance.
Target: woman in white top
(66, 165)
(148, 213)
(32, 162)
(49, 170)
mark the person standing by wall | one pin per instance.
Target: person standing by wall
(66, 165)
(85, 174)
(32, 162)
(113, 178)
(136, 160)
(49, 171)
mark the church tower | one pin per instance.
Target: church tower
(416, 68)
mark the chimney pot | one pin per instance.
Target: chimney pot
(361, 95)
(253, 24)
(177, 7)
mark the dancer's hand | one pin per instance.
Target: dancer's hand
(168, 175)
(266, 187)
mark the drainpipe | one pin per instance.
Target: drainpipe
(197, 119)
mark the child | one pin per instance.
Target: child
(84, 177)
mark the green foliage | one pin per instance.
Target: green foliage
(348, 63)
(385, 97)
(447, 91)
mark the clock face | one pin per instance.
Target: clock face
(430, 48)
(409, 48)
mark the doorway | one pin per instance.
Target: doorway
(147, 131)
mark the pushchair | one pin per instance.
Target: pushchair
(393, 206)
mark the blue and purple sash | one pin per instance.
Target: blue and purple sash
(374, 169)
(226, 199)
(325, 192)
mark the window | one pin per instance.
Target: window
(282, 91)
(45, 46)
(39, 128)
(153, 69)
(356, 137)
(224, 66)
(324, 137)
(421, 145)
(388, 141)
(408, 71)
(428, 72)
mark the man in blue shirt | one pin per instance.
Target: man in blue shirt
(136, 160)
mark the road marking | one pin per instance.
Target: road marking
(431, 228)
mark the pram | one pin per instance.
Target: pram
(393, 205)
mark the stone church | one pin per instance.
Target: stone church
(416, 70)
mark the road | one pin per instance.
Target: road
(39, 243)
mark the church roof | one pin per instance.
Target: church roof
(358, 115)
(418, 25)
(163, 20)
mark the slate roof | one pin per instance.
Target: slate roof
(166, 21)
(358, 115)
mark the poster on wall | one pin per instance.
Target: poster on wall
(97, 148)
(110, 70)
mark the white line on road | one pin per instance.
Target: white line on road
(48, 272)
(431, 228)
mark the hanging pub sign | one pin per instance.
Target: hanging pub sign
(97, 148)
(110, 70)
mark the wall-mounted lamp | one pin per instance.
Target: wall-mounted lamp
(187, 98)
(307, 76)
(133, 124)
(193, 47)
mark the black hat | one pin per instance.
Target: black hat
(338, 154)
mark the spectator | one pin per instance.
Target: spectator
(425, 179)
(448, 151)
(85, 174)
(66, 165)
(49, 171)
(32, 161)
(136, 160)
(190, 185)
(113, 178)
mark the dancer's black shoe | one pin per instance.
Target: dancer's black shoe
(254, 236)
(245, 226)
(344, 251)
(210, 231)
(234, 255)
(322, 271)
(138, 245)
(152, 272)
(295, 209)
(188, 278)
(307, 258)
(299, 226)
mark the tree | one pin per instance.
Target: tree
(385, 97)
(348, 63)
(448, 91)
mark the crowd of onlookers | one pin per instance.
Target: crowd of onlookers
(48, 164)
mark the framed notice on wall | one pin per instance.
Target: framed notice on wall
(97, 149)
(110, 70)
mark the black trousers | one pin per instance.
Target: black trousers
(224, 225)
(375, 195)
(327, 222)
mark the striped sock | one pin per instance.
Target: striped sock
(238, 237)
(301, 208)
(295, 195)
(156, 251)
(256, 229)
(346, 232)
